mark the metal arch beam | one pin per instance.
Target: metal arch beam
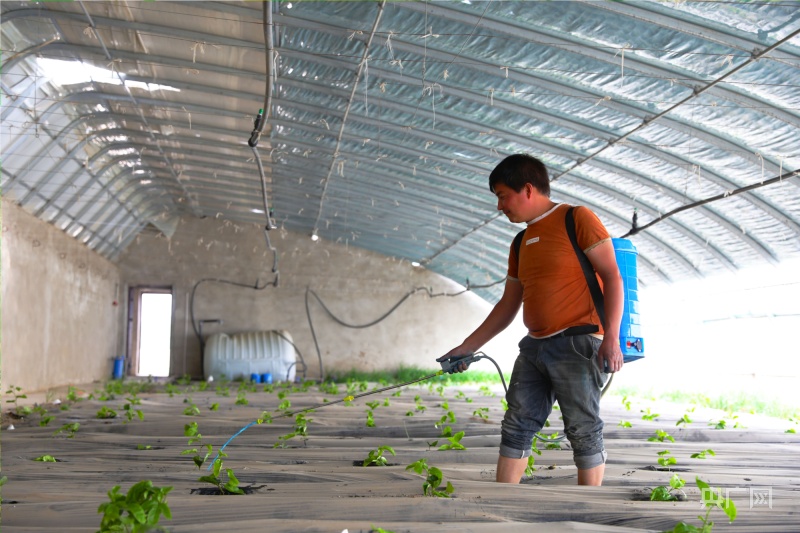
(399, 44)
(635, 112)
(617, 169)
(558, 88)
(763, 205)
(580, 47)
(724, 182)
(658, 242)
(387, 195)
(104, 189)
(655, 14)
(289, 20)
(667, 157)
(676, 225)
(94, 178)
(191, 35)
(726, 223)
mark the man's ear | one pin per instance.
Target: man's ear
(528, 190)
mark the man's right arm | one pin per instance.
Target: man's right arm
(499, 319)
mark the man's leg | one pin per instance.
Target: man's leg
(577, 383)
(591, 476)
(510, 470)
(530, 401)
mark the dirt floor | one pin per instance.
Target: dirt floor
(316, 484)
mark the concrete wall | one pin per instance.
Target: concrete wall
(358, 286)
(59, 324)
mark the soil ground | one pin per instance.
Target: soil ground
(313, 485)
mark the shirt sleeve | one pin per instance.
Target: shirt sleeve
(588, 228)
(513, 263)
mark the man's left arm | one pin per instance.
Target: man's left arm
(605, 263)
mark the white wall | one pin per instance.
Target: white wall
(358, 286)
(59, 324)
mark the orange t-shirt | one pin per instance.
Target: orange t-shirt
(555, 295)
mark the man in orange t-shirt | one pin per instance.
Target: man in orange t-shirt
(564, 355)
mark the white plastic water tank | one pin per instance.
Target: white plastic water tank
(239, 355)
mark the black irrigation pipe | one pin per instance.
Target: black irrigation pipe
(634, 230)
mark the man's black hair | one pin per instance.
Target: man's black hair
(516, 170)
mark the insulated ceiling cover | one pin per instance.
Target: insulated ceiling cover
(384, 120)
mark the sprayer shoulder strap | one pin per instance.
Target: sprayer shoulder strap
(586, 265)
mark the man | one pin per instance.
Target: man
(558, 359)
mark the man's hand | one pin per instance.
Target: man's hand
(609, 355)
(455, 353)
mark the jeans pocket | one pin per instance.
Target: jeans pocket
(582, 346)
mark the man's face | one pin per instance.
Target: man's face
(513, 204)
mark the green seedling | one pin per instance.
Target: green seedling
(300, 430)
(17, 395)
(552, 444)
(130, 412)
(214, 407)
(532, 459)
(722, 424)
(69, 429)
(329, 388)
(373, 405)
(72, 394)
(702, 455)
(386, 402)
(144, 447)
(284, 405)
(44, 418)
(409, 413)
(241, 398)
(46, 459)
(184, 380)
(223, 390)
(482, 413)
(398, 393)
(790, 430)
(625, 424)
(170, 389)
(433, 479)
(375, 529)
(192, 431)
(455, 442)
(105, 412)
(665, 459)
(375, 457)
(445, 406)
(685, 420)
(504, 403)
(231, 486)
(665, 494)
(712, 499)
(485, 390)
(370, 419)
(648, 415)
(136, 512)
(192, 410)
(626, 403)
(661, 436)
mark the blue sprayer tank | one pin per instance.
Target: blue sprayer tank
(630, 334)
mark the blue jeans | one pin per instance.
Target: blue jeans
(546, 370)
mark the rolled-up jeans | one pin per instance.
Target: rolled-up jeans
(546, 370)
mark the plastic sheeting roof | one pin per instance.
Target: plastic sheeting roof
(387, 117)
